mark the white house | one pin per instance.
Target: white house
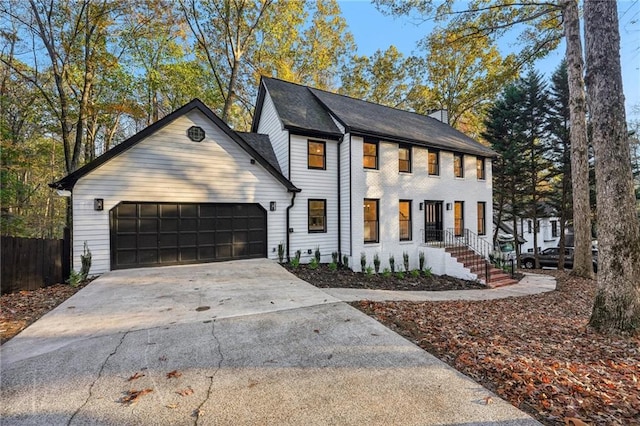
(548, 230)
(318, 170)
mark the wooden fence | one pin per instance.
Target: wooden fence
(32, 263)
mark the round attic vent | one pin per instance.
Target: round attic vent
(195, 133)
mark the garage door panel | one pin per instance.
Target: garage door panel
(152, 234)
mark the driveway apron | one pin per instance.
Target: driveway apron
(234, 343)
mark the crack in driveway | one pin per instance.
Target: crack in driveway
(198, 411)
(115, 350)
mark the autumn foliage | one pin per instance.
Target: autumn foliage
(536, 351)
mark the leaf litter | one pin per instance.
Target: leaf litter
(535, 351)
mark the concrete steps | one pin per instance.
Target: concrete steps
(480, 266)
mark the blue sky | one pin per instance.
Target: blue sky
(372, 31)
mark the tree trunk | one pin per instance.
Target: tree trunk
(617, 302)
(582, 259)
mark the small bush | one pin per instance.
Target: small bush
(333, 266)
(405, 260)
(313, 264)
(427, 272)
(345, 261)
(295, 262)
(376, 262)
(392, 264)
(369, 271)
(280, 252)
(415, 273)
(316, 254)
(421, 259)
(298, 254)
(85, 260)
(386, 272)
(334, 257)
(75, 278)
(363, 261)
(400, 275)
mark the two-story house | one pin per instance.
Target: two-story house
(318, 170)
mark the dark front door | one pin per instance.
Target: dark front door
(433, 221)
(155, 234)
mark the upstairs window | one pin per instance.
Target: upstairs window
(405, 220)
(434, 163)
(458, 165)
(404, 159)
(480, 168)
(316, 155)
(317, 216)
(370, 155)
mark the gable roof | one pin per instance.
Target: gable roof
(362, 118)
(70, 180)
(262, 144)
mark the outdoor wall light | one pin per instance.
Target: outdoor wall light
(448, 206)
(98, 204)
(272, 206)
(252, 161)
(421, 206)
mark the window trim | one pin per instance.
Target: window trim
(481, 172)
(409, 221)
(324, 154)
(408, 160)
(324, 216)
(482, 224)
(377, 221)
(376, 156)
(436, 153)
(461, 157)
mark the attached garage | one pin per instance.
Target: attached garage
(156, 234)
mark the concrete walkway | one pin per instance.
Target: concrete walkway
(234, 343)
(530, 284)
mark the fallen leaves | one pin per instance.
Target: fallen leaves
(173, 374)
(132, 396)
(534, 351)
(185, 392)
(136, 376)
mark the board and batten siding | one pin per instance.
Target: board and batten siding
(168, 167)
(390, 186)
(269, 124)
(314, 184)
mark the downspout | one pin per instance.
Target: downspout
(339, 203)
(293, 199)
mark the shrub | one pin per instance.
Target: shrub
(75, 278)
(295, 262)
(392, 264)
(298, 254)
(85, 261)
(415, 273)
(280, 252)
(386, 272)
(313, 264)
(405, 260)
(421, 259)
(333, 266)
(334, 257)
(400, 275)
(316, 254)
(345, 261)
(376, 262)
(363, 261)
(369, 270)
(427, 272)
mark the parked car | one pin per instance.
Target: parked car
(549, 257)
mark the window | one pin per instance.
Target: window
(405, 220)
(554, 229)
(458, 218)
(370, 221)
(482, 224)
(480, 168)
(529, 225)
(316, 155)
(370, 155)
(317, 215)
(404, 159)
(458, 165)
(434, 163)
(196, 133)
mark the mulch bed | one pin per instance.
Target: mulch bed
(19, 310)
(324, 277)
(535, 351)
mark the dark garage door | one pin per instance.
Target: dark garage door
(154, 234)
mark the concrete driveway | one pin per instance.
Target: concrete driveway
(230, 343)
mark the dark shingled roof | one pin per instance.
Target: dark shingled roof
(262, 144)
(305, 107)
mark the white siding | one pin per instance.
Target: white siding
(270, 124)
(314, 184)
(168, 167)
(389, 186)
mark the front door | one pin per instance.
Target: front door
(433, 221)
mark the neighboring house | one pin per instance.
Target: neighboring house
(319, 170)
(548, 233)
(374, 179)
